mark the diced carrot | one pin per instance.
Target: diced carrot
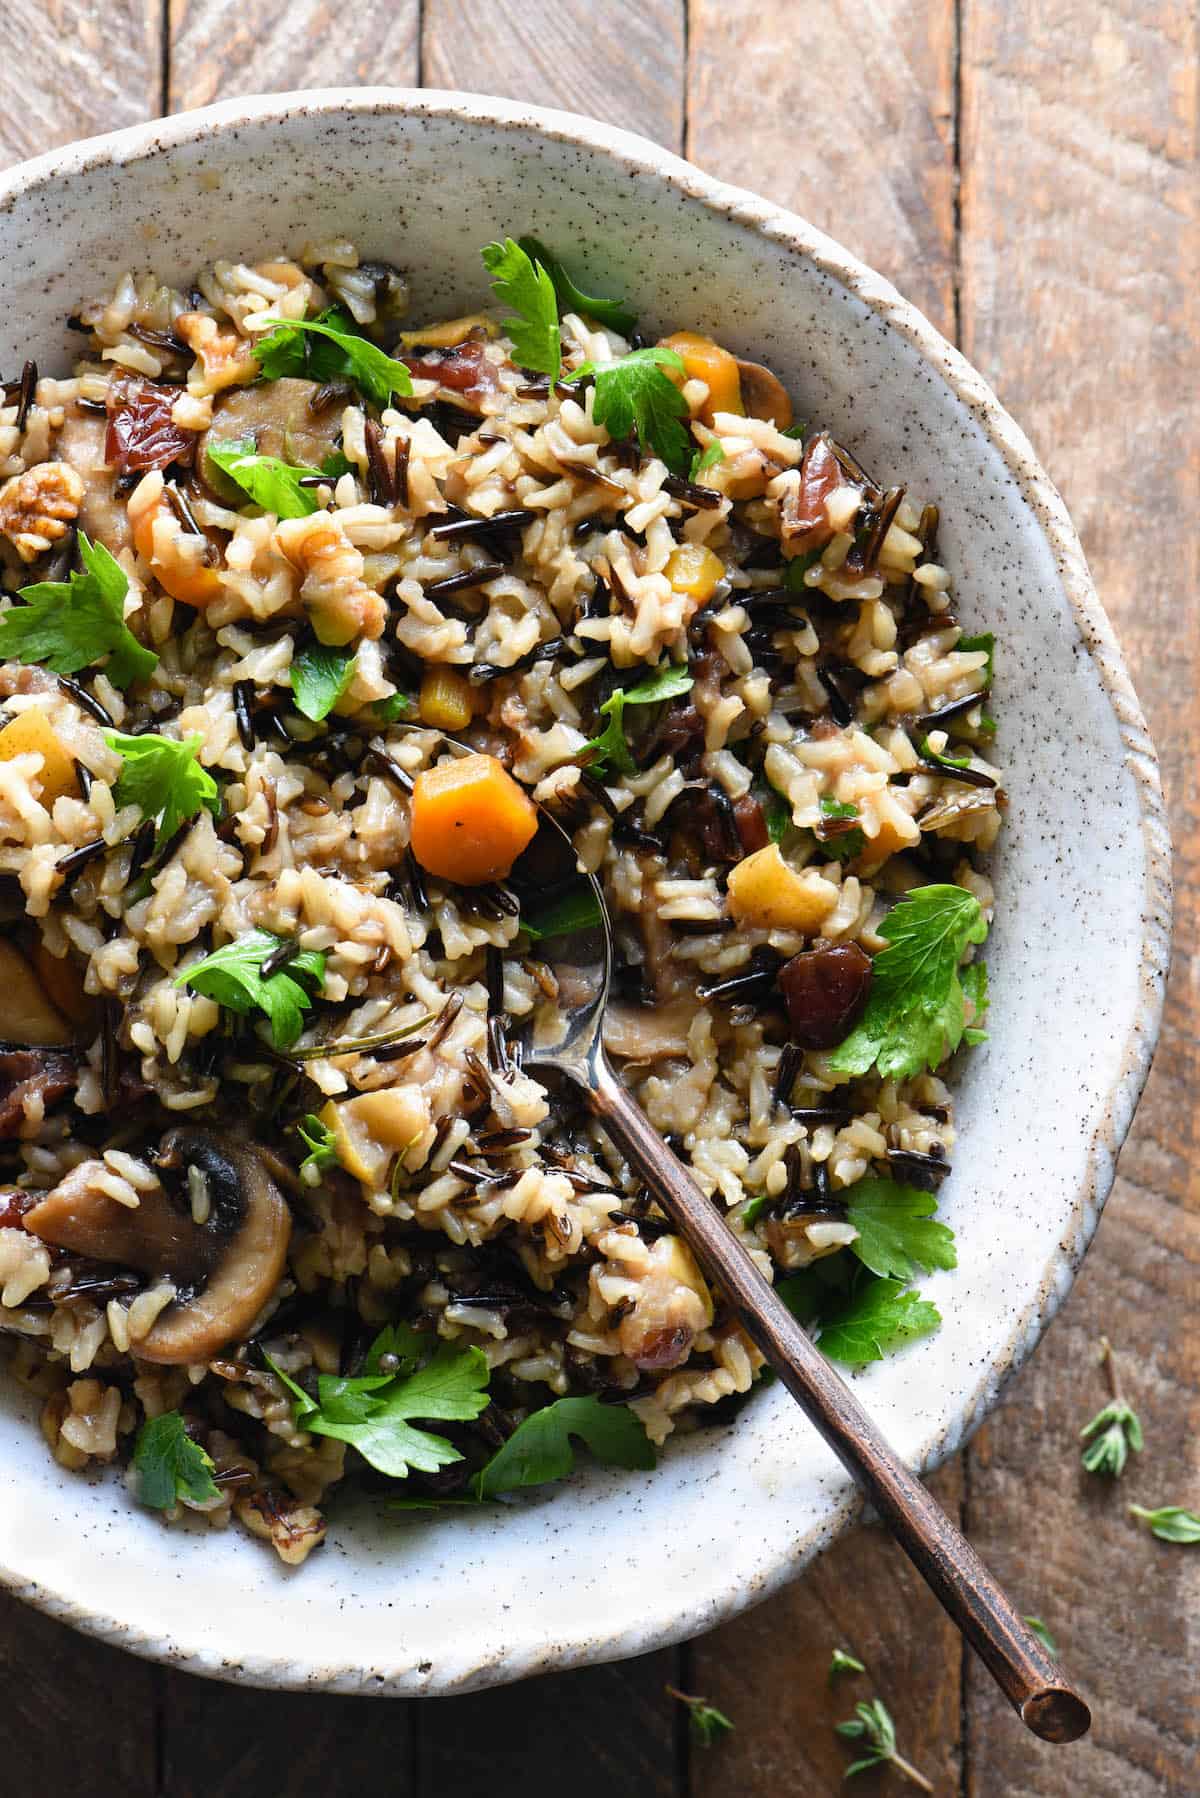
(470, 820)
(704, 360)
(31, 733)
(174, 556)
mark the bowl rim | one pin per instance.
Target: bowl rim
(639, 155)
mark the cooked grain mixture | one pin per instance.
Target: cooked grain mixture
(280, 1207)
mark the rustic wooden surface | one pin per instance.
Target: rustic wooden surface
(1026, 170)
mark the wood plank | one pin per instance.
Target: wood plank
(1080, 245)
(70, 69)
(620, 63)
(232, 1742)
(769, 1671)
(843, 111)
(77, 1716)
(221, 48)
(596, 1733)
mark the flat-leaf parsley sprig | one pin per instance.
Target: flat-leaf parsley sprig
(522, 283)
(69, 625)
(163, 777)
(916, 1014)
(1114, 1430)
(169, 1466)
(240, 976)
(328, 348)
(635, 394)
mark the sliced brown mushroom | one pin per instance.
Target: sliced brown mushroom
(27, 1015)
(224, 1269)
(764, 395)
(278, 417)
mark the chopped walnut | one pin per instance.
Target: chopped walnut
(37, 507)
(81, 1423)
(292, 1530)
(657, 1298)
(225, 358)
(339, 603)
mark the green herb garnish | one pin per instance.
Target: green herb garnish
(850, 843)
(878, 1317)
(540, 1450)
(68, 625)
(667, 681)
(394, 706)
(320, 1142)
(897, 1235)
(872, 1725)
(328, 348)
(915, 1015)
(974, 982)
(613, 313)
(577, 910)
(841, 1662)
(320, 675)
(232, 976)
(703, 460)
(525, 285)
(708, 1724)
(1114, 1430)
(163, 778)
(1171, 1523)
(169, 1466)
(985, 640)
(403, 1380)
(633, 393)
(1043, 1634)
(270, 482)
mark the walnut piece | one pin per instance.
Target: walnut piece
(338, 601)
(37, 507)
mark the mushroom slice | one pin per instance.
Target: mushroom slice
(764, 395)
(224, 1270)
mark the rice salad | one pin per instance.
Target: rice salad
(308, 606)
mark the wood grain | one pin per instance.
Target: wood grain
(1079, 253)
(70, 69)
(599, 1733)
(221, 48)
(843, 111)
(618, 62)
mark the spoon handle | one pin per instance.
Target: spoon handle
(1031, 1682)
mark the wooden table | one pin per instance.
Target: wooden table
(1026, 172)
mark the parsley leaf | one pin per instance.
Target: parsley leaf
(169, 1466)
(394, 706)
(371, 1412)
(896, 1232)
(338, 354)
(1109, 1436)
(539, 1449)
(702, 461)
(163, 779)
(939, 757)
(320, 675)
(667, 681)
(271, 483)
(882, 1316)
(974, 982)
(985, 640)
(777, 813)
(613, 313)
(232, 975)
(68, 625)
(915, 1015)
(576, 910)
(798, 567)
(525, 285)
(1042, 1633)
(841, 1662)
(707, 1722)
(1170, 1524)
(633, 393)
(320, 1142)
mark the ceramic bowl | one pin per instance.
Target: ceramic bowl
(610, 1564)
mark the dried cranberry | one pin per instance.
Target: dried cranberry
(14, 1203)
(464, 369)
(663, 1348)
(141, 432)
(825, 991)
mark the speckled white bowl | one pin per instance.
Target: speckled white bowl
(612, 1565)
